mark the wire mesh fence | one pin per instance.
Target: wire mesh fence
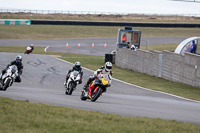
(85, 12)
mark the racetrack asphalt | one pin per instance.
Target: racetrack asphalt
(44, 75)
(59, 45)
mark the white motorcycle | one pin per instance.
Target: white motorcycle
(72, 82)
(9, 77)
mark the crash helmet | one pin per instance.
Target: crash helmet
(32, 44)
(108, 66)
(19, 59)
(193, 41)
(77, 65)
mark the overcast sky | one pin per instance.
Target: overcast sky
(121, 6)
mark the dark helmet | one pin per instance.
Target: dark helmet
(77, 65)
(19, 59)
(108, 66)
(193, 41)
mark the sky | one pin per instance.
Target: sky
(183, 7)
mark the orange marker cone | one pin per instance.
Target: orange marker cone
(67, 45)
(92, 45)
(79, 45)
(105, 45)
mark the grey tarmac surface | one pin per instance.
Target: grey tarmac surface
(59, 45)
(44, 75)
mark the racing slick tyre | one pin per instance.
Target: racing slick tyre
(96, 95)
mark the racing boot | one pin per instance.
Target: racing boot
(85, 87)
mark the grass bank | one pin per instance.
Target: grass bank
(62, 31)
(23, 116)
(129, 76)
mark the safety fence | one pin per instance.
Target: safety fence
(92, 23)
(89, 23)
(86, 12)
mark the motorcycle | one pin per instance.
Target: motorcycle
(72, 82)
(28, 50)
(101, 82)
(9, 77)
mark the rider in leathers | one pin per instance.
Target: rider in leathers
(32, 47)
(107, 69)
(76, 67)
(18, 63)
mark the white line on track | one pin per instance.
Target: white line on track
(136, 85)
(45, 50)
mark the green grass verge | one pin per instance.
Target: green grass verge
(94, 62)
(60, 31)
(160, 47)
(23, 116)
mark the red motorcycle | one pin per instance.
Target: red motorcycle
(28, 50)
(101, 83)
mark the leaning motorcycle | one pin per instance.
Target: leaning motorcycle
(72, 82)
(101, 83)
(9, 77)
(28, 50)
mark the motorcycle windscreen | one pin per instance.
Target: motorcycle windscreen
(104, 78)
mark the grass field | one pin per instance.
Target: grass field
(26, 117)
(59, 31)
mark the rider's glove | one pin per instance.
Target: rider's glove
(80, 81)
(67, 75)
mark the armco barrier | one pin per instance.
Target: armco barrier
(89, 23)
(15, 22)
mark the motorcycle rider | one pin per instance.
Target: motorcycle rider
(107, 69)
(18, 63)
(76, 67)
(32, 47)
(31, 50)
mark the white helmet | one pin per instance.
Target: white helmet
(32, 44)
(108, 66)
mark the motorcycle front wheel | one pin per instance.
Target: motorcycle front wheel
(96, 95)
(6, 85)
(71, 88)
